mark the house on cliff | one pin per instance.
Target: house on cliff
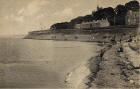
(132, 17)
(93, 24)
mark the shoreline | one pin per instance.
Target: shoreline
(111, 68)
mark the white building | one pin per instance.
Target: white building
(132, 18)
(93, 24)
(103, 23)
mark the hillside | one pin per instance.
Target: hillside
(121, 23)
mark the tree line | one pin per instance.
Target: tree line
(115, 16)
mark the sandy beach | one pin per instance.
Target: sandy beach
(111, 68)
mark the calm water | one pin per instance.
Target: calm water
(40, 63)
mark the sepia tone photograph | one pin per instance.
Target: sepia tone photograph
(69, 44)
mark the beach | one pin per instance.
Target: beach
(115, 66)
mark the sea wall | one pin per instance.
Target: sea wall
(98, 35)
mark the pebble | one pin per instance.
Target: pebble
(131, 81)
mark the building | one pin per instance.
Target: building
(93, 24)
(103, 23)
(132, 17)
(77, 26)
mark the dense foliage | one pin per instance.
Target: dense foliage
(115, 16)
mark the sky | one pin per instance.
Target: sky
(23, 16)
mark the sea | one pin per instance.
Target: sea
(29, 63)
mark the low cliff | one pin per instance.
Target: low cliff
(98, 34)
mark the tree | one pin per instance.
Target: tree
(77, 20)
(120, 10)
(120, 14)
(88, 18)
(110, 14)
(105, 13)
(63, 25)
(132, 5)
(99, 14)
